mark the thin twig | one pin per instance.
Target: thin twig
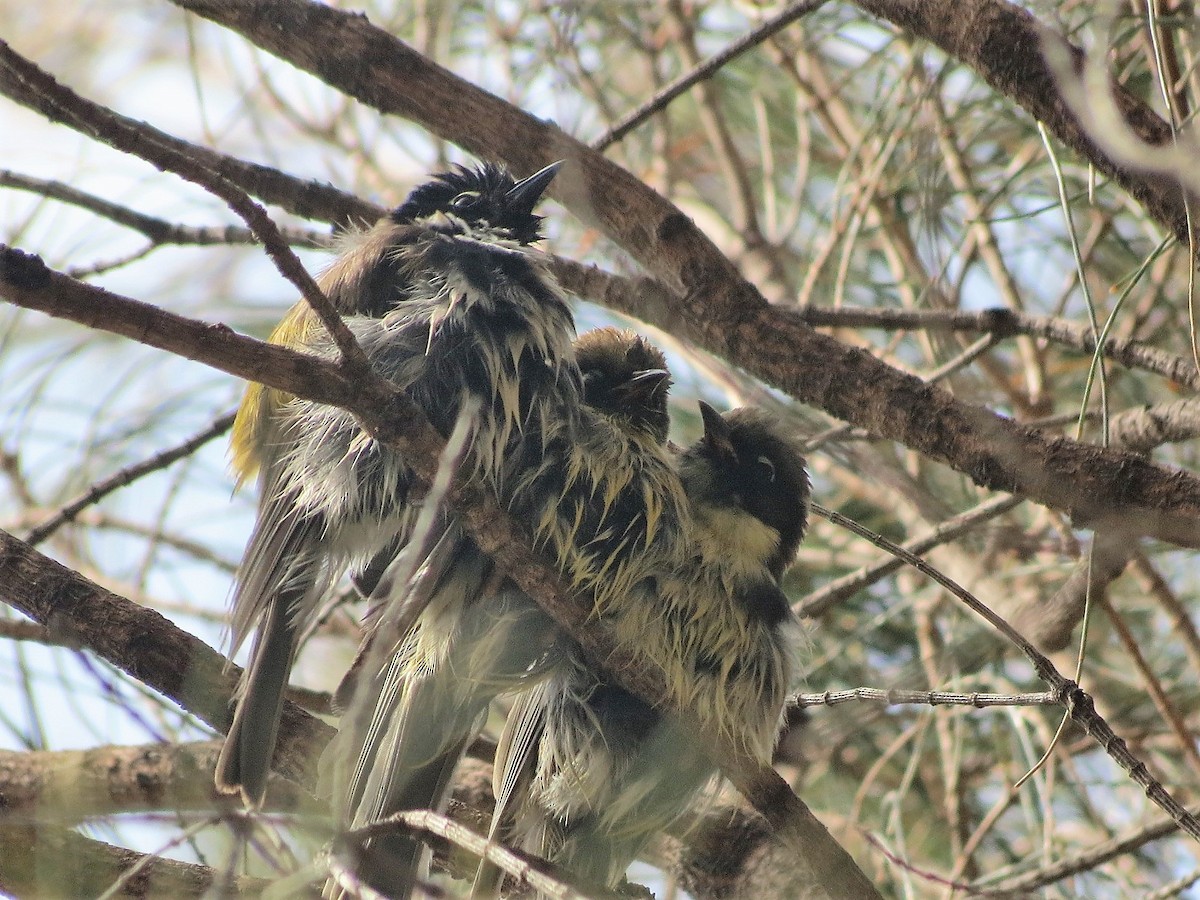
(127, 476)
(1122, 845)
(704, 71)
(159, 231)
(893, 697)
(1154, 687)
(837, 591)
(960, 361)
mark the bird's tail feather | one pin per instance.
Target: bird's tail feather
(245, 760)
(513, 773)
(420, 713)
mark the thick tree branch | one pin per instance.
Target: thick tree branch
(706, 300)
(1050, 621)
(145, 645)
(717, 859)
(71, 786)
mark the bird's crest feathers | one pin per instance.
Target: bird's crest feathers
(486, 197)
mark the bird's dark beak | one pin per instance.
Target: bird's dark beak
(646, 384)
(523, 196)
(716, 431)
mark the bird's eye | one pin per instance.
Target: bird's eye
(769, 466)
(463, 200)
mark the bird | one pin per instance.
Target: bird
(451, 304)
(411, 712)
(585, 772)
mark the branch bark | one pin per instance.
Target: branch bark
(67, 787)
(145, 645)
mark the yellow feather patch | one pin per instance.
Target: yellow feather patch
(739, 540)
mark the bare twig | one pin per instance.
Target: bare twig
(1132, 840)
(159, 231)
(893, 697)
(126, 477)
(704, 71)
(821, 601)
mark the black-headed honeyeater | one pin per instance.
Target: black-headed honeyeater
(586, 773)
(416, 698)
(450, 304)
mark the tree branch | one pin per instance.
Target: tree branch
(50, 861)
(71, 786)
(127, 476)
(145, 645)
(707, 301)
(158, 231)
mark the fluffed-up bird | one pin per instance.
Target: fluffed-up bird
(586, 773)
(450, 304)
(422, 685)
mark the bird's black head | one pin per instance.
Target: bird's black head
(626, 378)
(486, 199)
(756, 467)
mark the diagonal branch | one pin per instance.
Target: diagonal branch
(706, 300)
(128, 476)
(705, 70)
(144, 644)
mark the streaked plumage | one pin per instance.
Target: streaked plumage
(585, 772)
(450, 304)
(602, 496)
